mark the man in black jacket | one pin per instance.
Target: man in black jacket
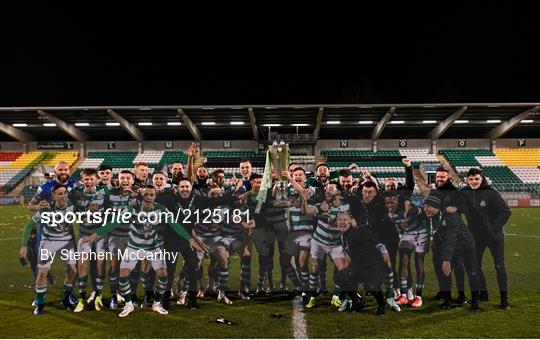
(487, 213)
(456, 245)
(451, 200)
(366, 258)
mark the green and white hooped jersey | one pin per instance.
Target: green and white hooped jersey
(299, 221)
(229, 229)
(121, 203)
(327, 231)
(95, 202)
(276, 217)
(413, 222)
(209, 230)
(62, 231)
(143, 231)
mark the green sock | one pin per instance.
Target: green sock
(67, 290)
(40, 294)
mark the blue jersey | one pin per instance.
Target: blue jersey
(44, 191)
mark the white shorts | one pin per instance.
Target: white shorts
(116, 243)
(417, 242)
(211, 242)
(101, 246)
(49, 248)
(319, 250)
(133, 256)
(296, 241)
(232, 243)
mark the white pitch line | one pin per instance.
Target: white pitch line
(533, 236)
(298, 320)
(9, 239)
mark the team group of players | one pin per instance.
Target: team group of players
(372, 235)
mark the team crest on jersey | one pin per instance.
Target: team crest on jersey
(483, 204)
(94, 207)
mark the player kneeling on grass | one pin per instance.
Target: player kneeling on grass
(367, 263)
(57, 239)
(144, 243)
(414, 237)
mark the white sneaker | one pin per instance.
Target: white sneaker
(181, 298)
(91, 298)
(244, 295)
(397, 294)
(410, 295)
(223, 298)
(120, 298)
(157, 307)
(393, 305)
(128, 308)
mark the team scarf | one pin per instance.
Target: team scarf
(266, 183)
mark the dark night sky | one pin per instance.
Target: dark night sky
(347, 55)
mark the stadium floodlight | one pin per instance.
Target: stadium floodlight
(523, 121)
(82, 124)
(20, 124)
(208, 123)
(333, 122)
(271, 125)
(145, 123)
(49, 124)
(237, 123)
(397, 122)
(429, 122)
(300, 124)
(112, 124)
(365, 122)
(461, 121)
(174, 123)
(493, 121)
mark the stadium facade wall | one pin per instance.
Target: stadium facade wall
(366, 144)
(236, 145)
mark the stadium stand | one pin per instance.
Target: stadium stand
(519, 157)
(509, 169)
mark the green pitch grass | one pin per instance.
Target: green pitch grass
(253, 318)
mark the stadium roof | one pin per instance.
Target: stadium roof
(243, 122)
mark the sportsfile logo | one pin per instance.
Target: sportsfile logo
(55, 218)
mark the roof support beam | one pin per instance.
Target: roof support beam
(438, 131)
(376, 133)
(137, 134)
(18, 134)
(504, 127)
(318, 123)
(190, 125)
(253, 124)
(71, 130)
